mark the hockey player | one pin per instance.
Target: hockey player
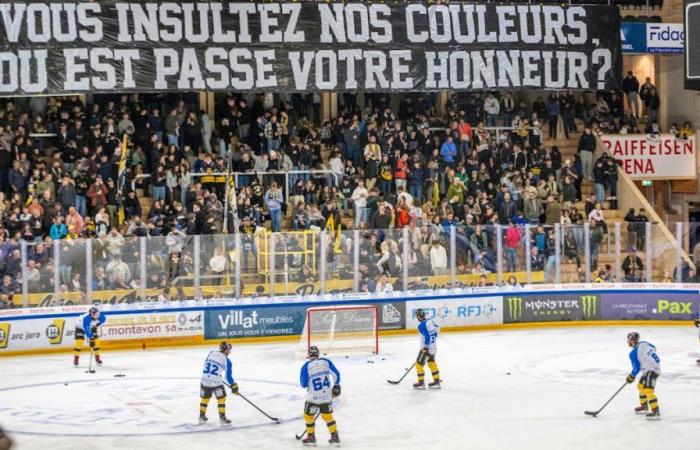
(217, 367)
(428, 330)
(86, 327)
(320, 377)
(645, 360)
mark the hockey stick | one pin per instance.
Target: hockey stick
(274, 419)
(299, 436)
(90, 369)
(404, 375)
(595, 413)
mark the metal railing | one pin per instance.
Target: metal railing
(285, 174)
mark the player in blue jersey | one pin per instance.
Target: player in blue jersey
(217, 368)
(645, 361)
(322, 380)
(428, 330)
(86, 327)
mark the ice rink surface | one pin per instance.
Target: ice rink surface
(555, 374)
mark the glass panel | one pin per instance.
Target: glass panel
(514, 255)
(539, 254)
(254, 260)
(422, 274)
(342, 279)
(663, 258)
(298, 262)
(572, 254)
(691, 239)
(159, 265)
(116, 276)
(72, 272)
(40, 273)
(216, 267)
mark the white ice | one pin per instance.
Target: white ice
(555, 374)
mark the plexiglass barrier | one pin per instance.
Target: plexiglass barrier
(435, 255)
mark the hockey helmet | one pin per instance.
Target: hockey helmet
(224, 347)
(632, 338)
(313, 352)
(93, 311)
(420, 315)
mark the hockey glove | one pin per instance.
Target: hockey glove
(697, 323)
(234, 388)
(92, 343)
(425, 352)
(336, 390)
(93, 331)
(630, 379)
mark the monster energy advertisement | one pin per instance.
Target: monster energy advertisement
(551, 308)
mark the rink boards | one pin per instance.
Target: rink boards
(149, 324)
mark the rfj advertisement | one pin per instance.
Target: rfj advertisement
(156, 46)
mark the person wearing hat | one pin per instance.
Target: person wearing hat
(217, 373)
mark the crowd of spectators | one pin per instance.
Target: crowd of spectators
(378, 167)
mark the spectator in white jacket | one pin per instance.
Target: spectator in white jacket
(337, 167)
(438, 258)
(359, 199)
(492, 109)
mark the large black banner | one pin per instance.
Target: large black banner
(57, 47)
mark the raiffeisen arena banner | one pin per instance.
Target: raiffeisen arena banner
(130, 46)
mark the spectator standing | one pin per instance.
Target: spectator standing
(595, 239)
(641, 220)
(512, 243)
(359, 198)
(553, 212)
(508, 109)
(653, 104)
(553, 114)
(586, 147)
(438, 258)
(532, 208)
(273, 200)
(630, 86)
(600, 178)
(492, 109)
(172, 128)
(631, 220)
(645, 95)
(448, 151)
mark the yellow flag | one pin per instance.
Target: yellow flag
(120, 177)
(436, 193)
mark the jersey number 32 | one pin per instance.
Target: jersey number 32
(211, 369)
(319, 383)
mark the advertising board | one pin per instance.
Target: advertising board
(551, 308)
(459, 312)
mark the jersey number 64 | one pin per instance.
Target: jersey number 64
(319, 383)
